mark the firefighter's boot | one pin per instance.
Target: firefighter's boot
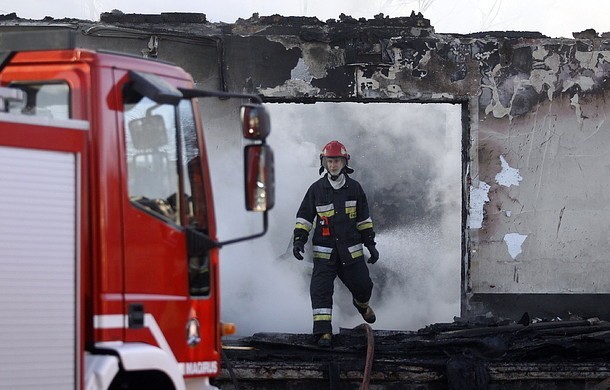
(367, 313)
(325, 340)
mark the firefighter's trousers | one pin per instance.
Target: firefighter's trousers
(354, 276)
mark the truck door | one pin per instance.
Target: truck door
(165, 291)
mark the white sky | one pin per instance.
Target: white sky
(554, 18)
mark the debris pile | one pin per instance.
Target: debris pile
(475, 351)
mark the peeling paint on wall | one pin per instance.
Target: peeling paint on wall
(297, 88)
(478, 197)
(530, 74)
(513, 242)
(367, 87)
(508, 176)
(301, 72)
(574, 103)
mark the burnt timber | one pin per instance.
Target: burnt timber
(484, 353)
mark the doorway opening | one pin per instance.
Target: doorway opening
(408, 159)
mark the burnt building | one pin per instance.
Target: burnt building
(535, 164)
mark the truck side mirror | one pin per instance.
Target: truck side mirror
(259, 177)
(255, 122)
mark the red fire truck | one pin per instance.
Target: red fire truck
(108, 247)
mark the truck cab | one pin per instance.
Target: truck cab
(108, 244)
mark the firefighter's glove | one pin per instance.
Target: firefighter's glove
(374, 254)
(298, 247)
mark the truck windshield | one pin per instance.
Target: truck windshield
(164, 161)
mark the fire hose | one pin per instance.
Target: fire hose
(370, 350)
(230, 368)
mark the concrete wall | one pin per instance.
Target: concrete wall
(536, 141)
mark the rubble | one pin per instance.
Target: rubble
(483, 352)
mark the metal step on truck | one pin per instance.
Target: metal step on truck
(108, 250)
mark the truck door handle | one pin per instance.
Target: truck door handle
(135, 315)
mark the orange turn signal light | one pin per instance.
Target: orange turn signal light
(227, 328)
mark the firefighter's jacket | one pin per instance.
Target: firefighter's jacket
(341, 217)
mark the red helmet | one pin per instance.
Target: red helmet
(335, 149)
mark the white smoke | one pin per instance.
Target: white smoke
(406, 156)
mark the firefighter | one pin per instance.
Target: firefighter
(336, 208)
